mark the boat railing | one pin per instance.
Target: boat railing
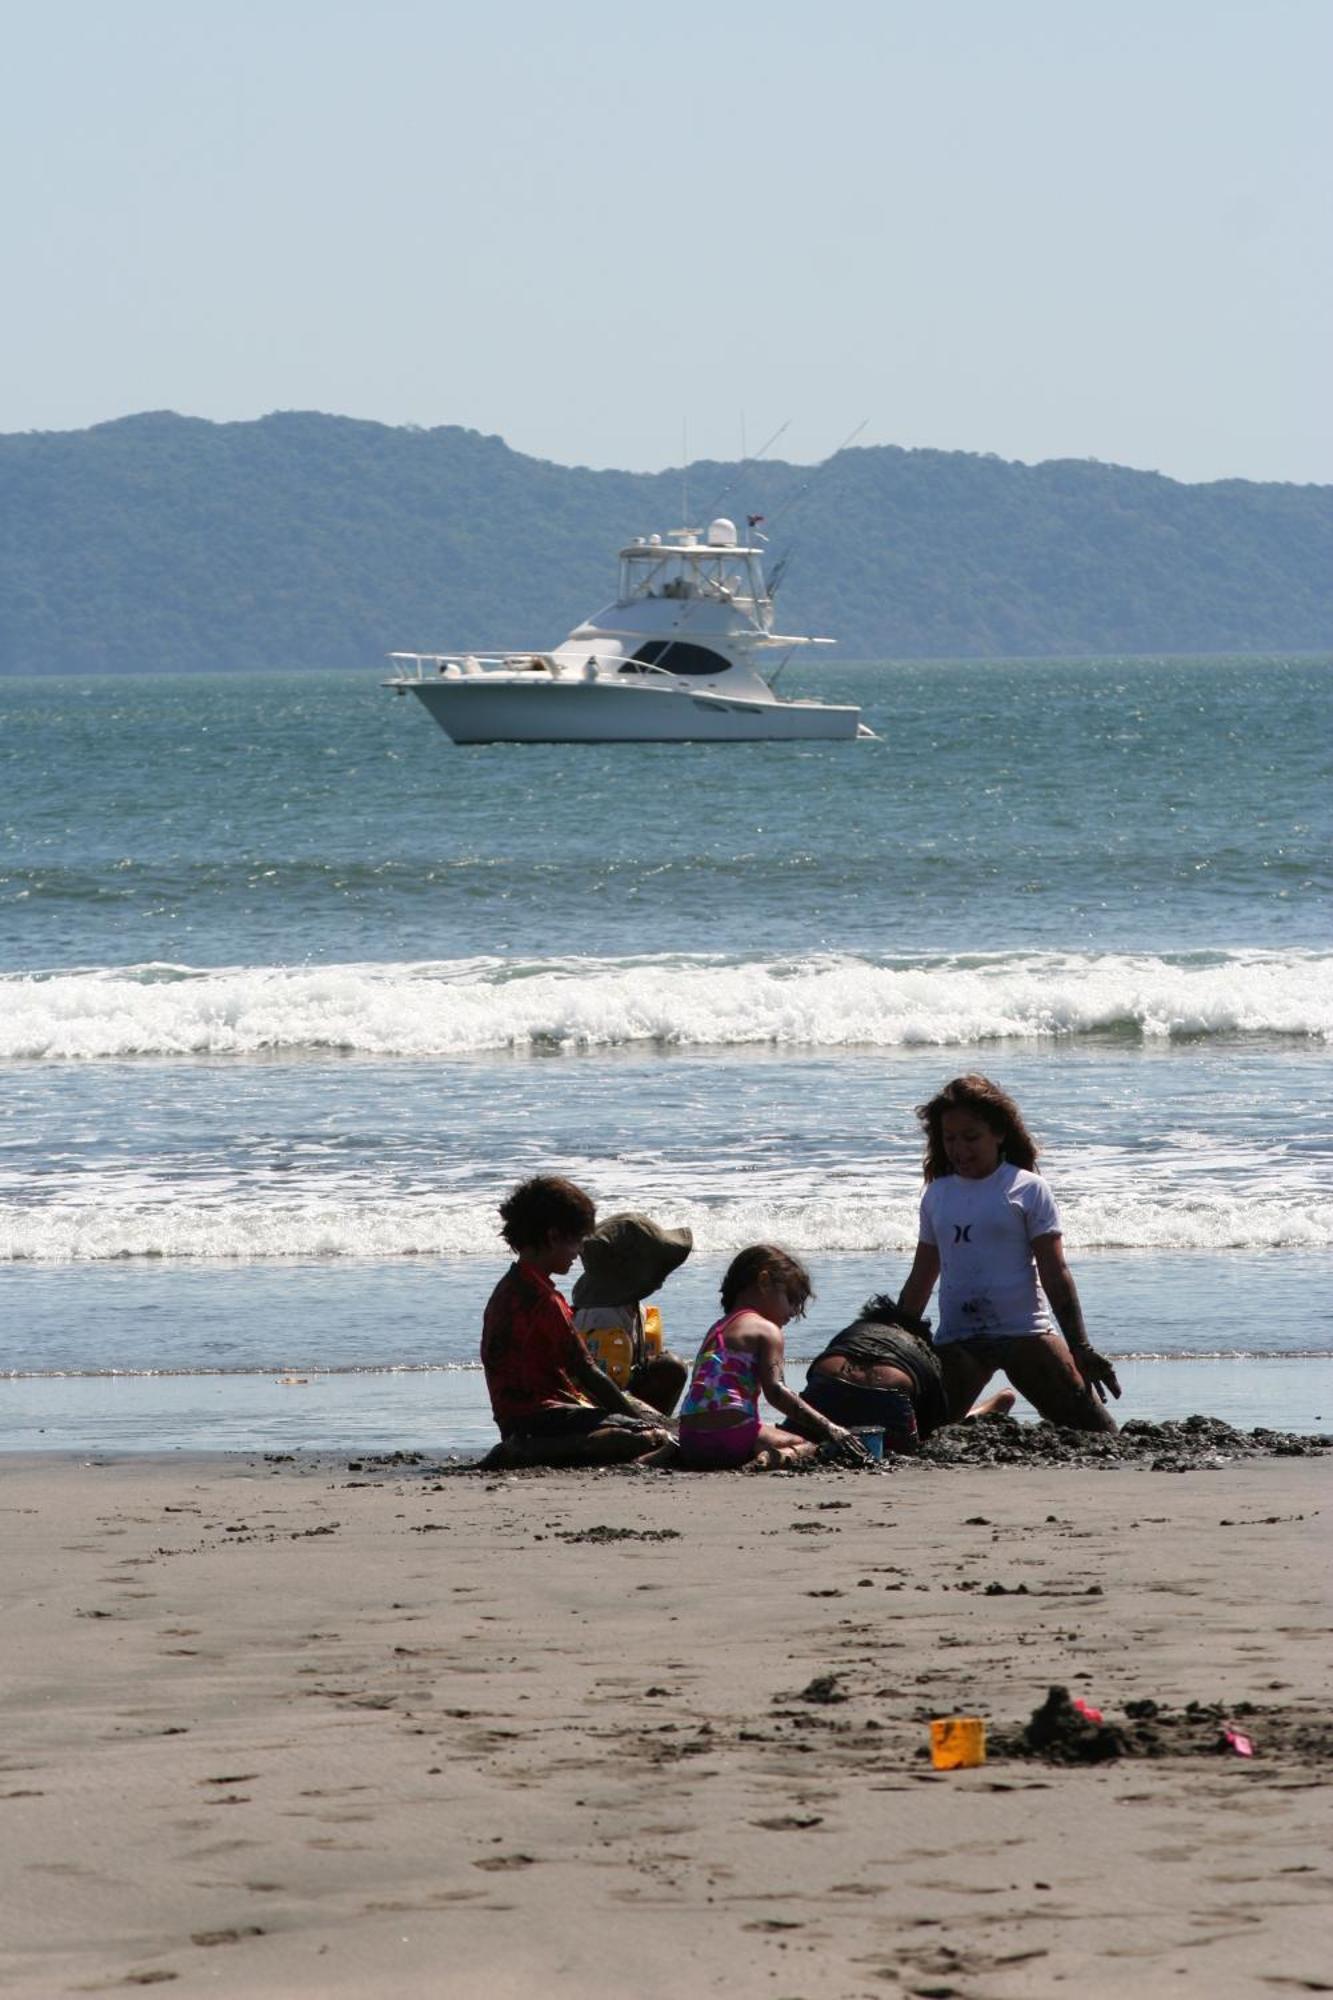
(464, 666)
(421, 666)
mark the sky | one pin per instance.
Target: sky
(616, 234)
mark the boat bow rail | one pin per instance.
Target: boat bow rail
(463, 666)
(417, 666)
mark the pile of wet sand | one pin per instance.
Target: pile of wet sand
(1194, 1444)
(1066, 1731)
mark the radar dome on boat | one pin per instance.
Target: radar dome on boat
(722, 533)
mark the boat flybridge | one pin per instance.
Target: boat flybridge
(678, 658)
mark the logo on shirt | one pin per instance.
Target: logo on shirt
(962, 1232)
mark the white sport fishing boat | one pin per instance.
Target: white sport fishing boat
(680, 657)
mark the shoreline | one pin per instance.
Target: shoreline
(446, 1409)
(1195, 1443)
(308, 1726)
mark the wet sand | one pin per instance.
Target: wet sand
(331, 1727)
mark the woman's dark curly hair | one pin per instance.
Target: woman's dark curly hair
(986, 1101)
(538, 1206)
(883, 1309)
(747, 1267)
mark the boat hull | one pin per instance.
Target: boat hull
(483, 709)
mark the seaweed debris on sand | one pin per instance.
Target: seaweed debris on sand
(1194, 1444)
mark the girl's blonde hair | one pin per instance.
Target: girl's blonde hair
(986, 1101)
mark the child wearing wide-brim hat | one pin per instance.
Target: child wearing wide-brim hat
(625, 1259)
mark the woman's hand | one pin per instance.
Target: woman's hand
(1096, 1371)
(1058, 1284)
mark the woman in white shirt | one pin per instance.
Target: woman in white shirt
(990, 1233)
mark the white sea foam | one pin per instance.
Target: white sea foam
(473, 1006)
(249, 1227)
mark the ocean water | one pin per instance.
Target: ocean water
(292, 990)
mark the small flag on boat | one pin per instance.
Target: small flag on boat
(753, 520)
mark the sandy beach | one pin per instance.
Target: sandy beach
(327, 1727)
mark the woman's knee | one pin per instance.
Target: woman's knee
(1048, 1376)
(1079, 1411)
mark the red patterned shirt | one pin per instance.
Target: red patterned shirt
(529, 1349)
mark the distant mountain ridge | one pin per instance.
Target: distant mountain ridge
(168, 543)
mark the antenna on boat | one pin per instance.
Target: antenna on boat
(685, 472)
(779, 568)
(744, 466)
(818, 471)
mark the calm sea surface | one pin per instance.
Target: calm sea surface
(292, 990)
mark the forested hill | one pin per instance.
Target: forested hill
(166, 543)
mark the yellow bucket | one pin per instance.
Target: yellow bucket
(613, 1351)
(957, 1742)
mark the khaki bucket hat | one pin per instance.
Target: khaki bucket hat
(627, 1257)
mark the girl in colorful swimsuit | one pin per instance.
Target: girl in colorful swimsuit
(990, 1232)
(740, 1360)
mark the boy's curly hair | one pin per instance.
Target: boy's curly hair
(544, 1203)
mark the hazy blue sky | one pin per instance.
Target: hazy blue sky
(1043, 228)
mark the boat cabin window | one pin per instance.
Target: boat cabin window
(677, 656)
(730, 574)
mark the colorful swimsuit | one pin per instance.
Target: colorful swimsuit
(725, 1380)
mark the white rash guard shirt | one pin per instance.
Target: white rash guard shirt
(983, 1231)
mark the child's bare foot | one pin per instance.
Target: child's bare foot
(665, 1454)
(764, 1460)
(998, 1405)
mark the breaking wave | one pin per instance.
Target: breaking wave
(248, 1227)
(480, 1005)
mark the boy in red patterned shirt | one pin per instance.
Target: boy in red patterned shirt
(551, 1402)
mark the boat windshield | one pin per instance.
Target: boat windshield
(692, 570)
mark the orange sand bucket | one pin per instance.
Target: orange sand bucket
(613, 1351)
(957, 1742)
